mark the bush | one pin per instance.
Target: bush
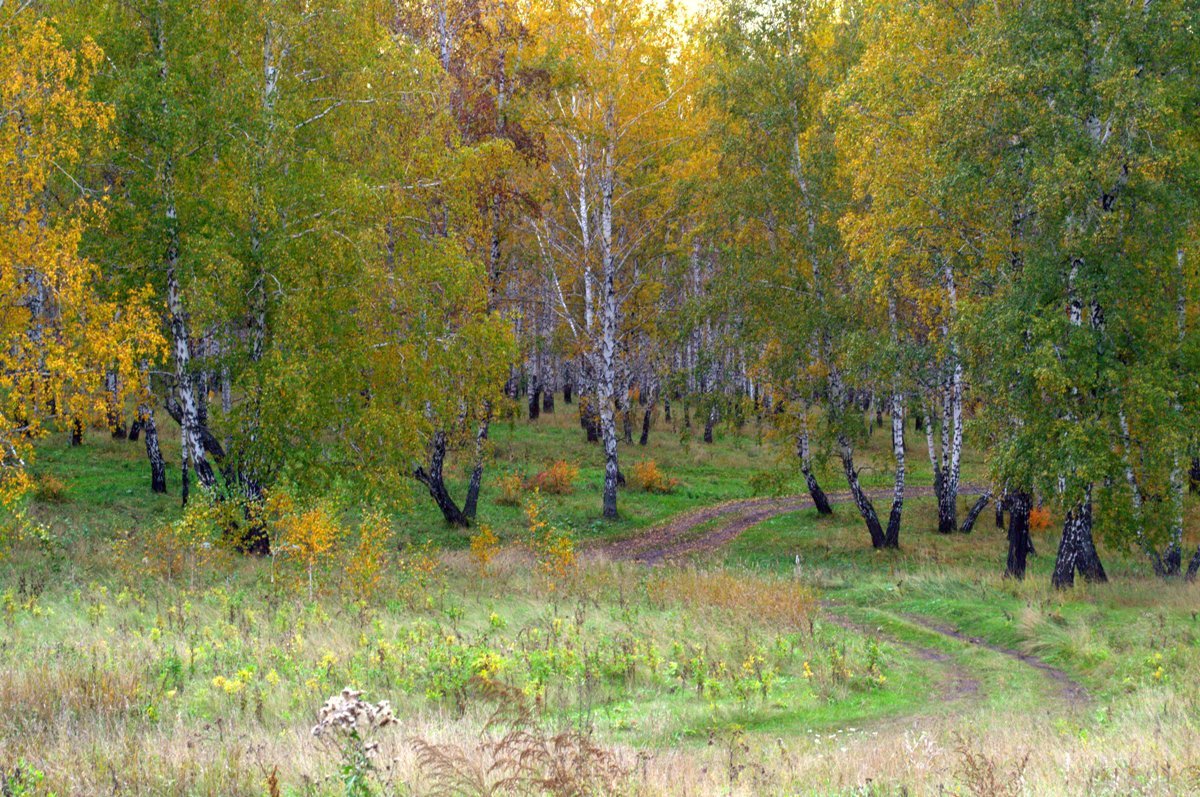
(484, 546)
(553, 548)
(369, 559)
(50, 490)
(558, 479)
(648, 478)
(768, 482)
(511, 487)
(1039, 518)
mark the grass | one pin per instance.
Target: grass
(136, 660)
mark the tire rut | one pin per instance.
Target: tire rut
(958, 685)
(671, 541)
(1070, 690)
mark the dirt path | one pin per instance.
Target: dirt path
(957, 683)
(673, 539)
(679, 537)
(1070, 690)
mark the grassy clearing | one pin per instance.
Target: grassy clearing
(134, 664)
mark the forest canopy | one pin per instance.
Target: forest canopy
(329, 244)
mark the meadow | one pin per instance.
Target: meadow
(548, 652)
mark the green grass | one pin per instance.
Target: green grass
(201, 674)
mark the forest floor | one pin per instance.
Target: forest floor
(710, 642)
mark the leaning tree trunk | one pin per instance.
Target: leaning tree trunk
(819, 499)
(976, 511)
(1077, 549)
(434, 481)
(1020, 545)
(1193, 566)
(865, 507)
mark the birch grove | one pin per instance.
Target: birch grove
(330, 245)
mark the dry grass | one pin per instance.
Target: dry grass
(779, 602)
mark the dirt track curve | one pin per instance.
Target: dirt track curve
(674, 538)
(708, 528)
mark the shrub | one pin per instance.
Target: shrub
(553, 548)
(768, 482)
(308, 537)
(50, 490)
(484, 545)
(558, 479)
(1039, 518)
(420, 573)
(370, 557)
(510, 490)
(648, 478)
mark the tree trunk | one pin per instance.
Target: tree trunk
(646, 416)
(192, 449)
(1019, 543)
(1077, 549)
(1194, 475)
(471, 505)
(865, 507)
(1193, 566)
(976, 511)
(709, 423)
(548, 401)
(76, 432)
(892, 535)
(116, 421)
(158, 468)
(947, 506)
(607, 382)
(819, 499)
(435, 483)
(135, 430)
(1001, 505)
(535, 398)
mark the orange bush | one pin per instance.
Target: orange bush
(1039, 518)
(558, 479)
(648, 478)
